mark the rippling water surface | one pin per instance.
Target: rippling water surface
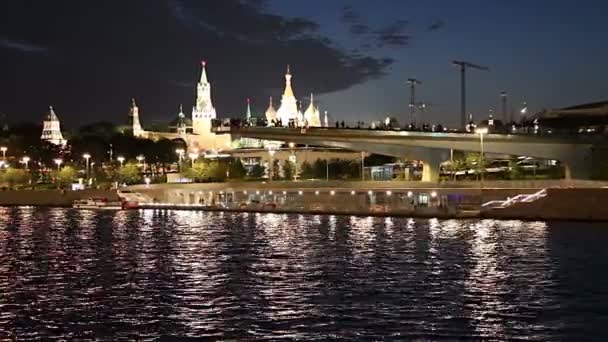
(70, 274)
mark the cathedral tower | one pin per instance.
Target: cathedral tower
(289, 105)
(51, 129)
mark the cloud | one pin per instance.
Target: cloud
(393, 34)
(243, 20)
(351, 17)
(436, 25)
(21, 46)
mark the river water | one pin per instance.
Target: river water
(147, 275)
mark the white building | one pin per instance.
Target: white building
(51, 129)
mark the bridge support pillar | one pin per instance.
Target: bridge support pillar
(578, 165)
(431, 162)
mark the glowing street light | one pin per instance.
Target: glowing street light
(481, 132)
(193, 157)
(87, 158)
(3, 149)
(58, 161)
(121, 160)
(25, 160)
(271, 152)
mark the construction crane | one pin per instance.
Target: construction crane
(412, 82)
(463, 99)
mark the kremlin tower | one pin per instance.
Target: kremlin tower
(134, 120)
(51, 129)
(203, 111)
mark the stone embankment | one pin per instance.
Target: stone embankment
(51, 198)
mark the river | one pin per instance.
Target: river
(127, 275)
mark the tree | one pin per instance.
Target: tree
(217, 171)
(516, 171)
(276, 169)
(129, 174)
(15, 177)
(198, 172)
(289, 169)
(236, 169)
(307, 171)
(319, 169)
(257, 171)
(66, 176)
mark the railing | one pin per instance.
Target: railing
(522, 198)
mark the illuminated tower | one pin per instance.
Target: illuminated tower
(271, 113)
(289, 105)
(312, 115)
(203, 111)
(51, 129)
(134, 119)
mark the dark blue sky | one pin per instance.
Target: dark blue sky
(88, 59)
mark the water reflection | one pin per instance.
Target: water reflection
(69, 274)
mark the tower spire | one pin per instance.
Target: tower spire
(288, 91)
(204, 73)
(248, 113)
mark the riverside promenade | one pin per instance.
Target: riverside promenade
(526, 200)
(529, 200)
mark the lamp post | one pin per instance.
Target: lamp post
(481, 132)
(193, 157)
(87, 157)
(362, 165)
(327, 169)
(3, 149)
(271, 152)
(25, 160)
(58, 161)
(121, 160)
(142, 160)
(180, 154)
(295, 160)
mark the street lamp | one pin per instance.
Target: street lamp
(362, 165)
(294, 160)
(58, 161)
(481, 132)
(25, 160)
(121, 160)
(193, 157)
(3, 149)
(87, 157)
(271, 152)
(142, 160)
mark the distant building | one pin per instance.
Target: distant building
(584, 118)
(51, 129)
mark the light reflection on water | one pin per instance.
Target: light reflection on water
(67, 274)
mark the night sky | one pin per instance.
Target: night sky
(88, 58)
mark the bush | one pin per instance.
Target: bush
(14, 177)
(129, 174)
(65, 176)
